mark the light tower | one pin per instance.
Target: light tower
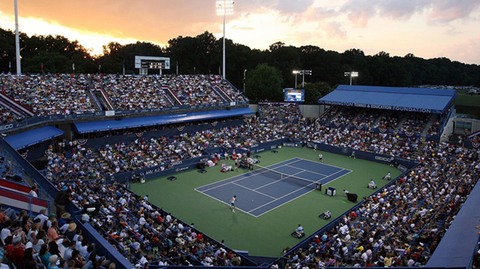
(224, 7)
(17, 41)
(351, 74)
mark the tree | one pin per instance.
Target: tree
(276, 45)
(315, 91)
(265, 83)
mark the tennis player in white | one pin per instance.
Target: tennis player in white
(232, 203)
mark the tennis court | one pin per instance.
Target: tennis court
(267, 188)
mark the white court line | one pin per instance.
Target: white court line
(226, 203)
(342, 168)
(303, 170)
(275, 180)
(254, 190)
(229, 180)
(297, 196)
(277, 165)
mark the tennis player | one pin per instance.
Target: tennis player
(232, 203)
(320, 157)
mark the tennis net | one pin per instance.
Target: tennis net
(285, 177)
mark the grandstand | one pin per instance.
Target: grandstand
(116, 130)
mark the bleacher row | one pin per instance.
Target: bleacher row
(395, 121)
(59, 94)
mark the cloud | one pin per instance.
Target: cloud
(466, 51)
(320, 13)
(437, 11)
(289, 7)
(335, 30)
(359, 11)
(447, 10)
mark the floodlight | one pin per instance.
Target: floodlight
(224, 7)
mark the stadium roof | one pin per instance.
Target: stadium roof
(32, 137)
(100, 126)
(392, 98)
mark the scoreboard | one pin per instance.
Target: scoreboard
(152, 62)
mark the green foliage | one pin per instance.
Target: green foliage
(265, 83)
(315, 91)
(202, 54)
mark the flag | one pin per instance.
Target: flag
(73, 66)
(99, 67)
(42, 66)
(10, 65)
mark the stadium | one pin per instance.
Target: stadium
(148, 178)
(143, 157)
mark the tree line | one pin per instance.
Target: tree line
(267, 71)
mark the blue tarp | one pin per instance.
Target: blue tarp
(32, 137)
(392, 98)
(99, 126)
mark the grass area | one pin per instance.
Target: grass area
(268, 234)
(464, 99)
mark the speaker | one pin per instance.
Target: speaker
(319, 186)
(201, 165)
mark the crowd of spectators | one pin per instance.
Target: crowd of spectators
(53, 94)
(279, 110)
(63, 94)
(95, 163)
(345, 116)
(390, 120)
(192, 89)
(46, 241)
(366, 118)
(415, 122)
(7, 116)
(217, 80)
(396, 227)
(403, 224)
(434, 128)
(144, 233)
(132, 92)
(329, 114)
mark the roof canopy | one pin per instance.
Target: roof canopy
(100, 126)
(32, 137)
(392, 98)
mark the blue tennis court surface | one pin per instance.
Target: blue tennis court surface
(263, 190)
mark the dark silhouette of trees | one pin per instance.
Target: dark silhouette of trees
(202, 54)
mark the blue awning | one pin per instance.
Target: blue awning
(32, 137)
(100, 126)
(392, 98)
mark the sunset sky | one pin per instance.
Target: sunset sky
(426, 28)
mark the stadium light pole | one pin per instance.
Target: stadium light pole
(17, 41)
(351, 74)
(296, 72)
(224, 7)
(244, 74)
(305, 72)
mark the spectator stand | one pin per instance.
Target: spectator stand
(71, 99)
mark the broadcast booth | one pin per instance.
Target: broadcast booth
(145, 63)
